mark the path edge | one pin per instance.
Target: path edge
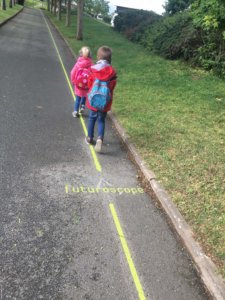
(11, 17)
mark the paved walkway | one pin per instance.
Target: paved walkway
(74, 224)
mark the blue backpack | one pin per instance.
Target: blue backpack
(99, 95)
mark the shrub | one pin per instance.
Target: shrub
(107, 19)
(173, 37)
(132, 23)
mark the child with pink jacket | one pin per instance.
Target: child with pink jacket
(83, 63)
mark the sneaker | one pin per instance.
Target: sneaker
(75, 114)
(82, 109)
(98, 146)
(89, 140)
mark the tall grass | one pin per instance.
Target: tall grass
(175, 116)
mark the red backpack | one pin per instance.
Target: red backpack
(81, 79)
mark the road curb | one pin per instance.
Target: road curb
(207, 270)
(6, 20)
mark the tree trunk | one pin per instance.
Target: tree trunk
(59, 16)
(68, 13)
(54, 8)
(80, 10)
(51, 7)
(10, 4)
(48, 5)
(3, 5)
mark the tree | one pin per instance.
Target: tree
(88, 6)
(3, 5)
(101, 7)
(55, 6)
(96, 7)
(80, 13)
(48, 5)
(51, 7)
(68, 13)
(59, 15)
(173, 6)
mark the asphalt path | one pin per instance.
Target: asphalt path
(74, 224)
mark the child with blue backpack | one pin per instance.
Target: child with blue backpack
(79, 77)
(102, 81)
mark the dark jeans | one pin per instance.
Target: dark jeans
(80, 101)
(93, 116)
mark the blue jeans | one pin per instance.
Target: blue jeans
(80, 101)
(93, 116)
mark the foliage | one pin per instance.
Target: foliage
(193, 30)
(132, 23)
(96, 7)
(107, 19)
(173, 6)
(9, 12)
(209, 15)
(173, 37)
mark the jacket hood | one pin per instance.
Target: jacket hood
(103, 70)
(84, 62)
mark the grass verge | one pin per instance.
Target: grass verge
(175, 117)
(9, 12)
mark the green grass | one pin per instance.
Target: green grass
(9, 12)
(35, 3)
(175, 117)
(5, 14)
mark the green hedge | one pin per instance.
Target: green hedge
(175, 37)
(132, 23)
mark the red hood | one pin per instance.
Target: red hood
(105, 73)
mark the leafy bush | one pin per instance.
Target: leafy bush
(174, 6)
(209, 15)
(173, 37)
(107, 19)
(177, 37)
(132, 23)
(211, 55)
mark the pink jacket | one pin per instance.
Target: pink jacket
(82, 62)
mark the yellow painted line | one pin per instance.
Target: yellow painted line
(95, 158)
(127, 253)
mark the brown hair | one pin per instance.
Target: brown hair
(105, 53)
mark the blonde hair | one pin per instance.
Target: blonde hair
(85, 51)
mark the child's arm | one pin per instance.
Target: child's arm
(72, 74)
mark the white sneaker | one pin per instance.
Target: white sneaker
(98, 146)
(75, 114)
(82, 109)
